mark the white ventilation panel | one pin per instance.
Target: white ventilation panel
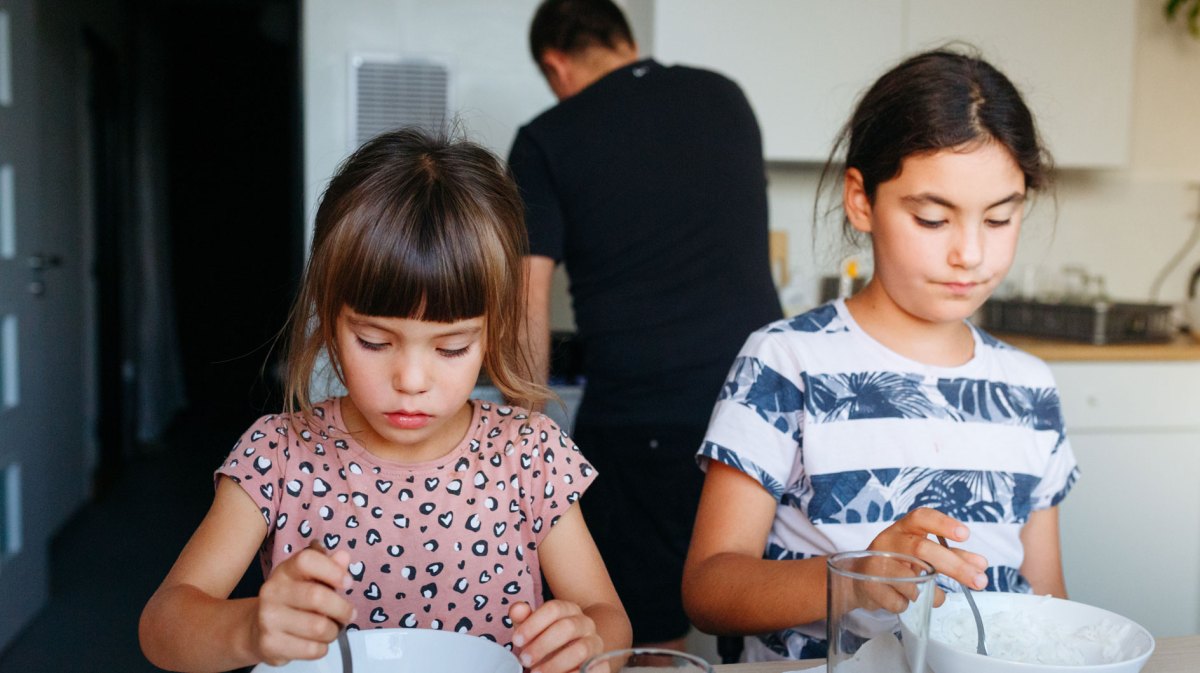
(387, 92)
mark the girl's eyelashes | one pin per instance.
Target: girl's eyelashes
(444, 352)
(370, 345)
(934, 224)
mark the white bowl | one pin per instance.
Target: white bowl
(409, 651)
(1105, 641)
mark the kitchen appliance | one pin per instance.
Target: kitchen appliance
(1096, 322)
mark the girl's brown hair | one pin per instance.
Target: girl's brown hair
(415, 226)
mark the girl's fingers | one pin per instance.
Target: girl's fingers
(316, 564)
(557, 635)
(924, 521)
(278, 648)
(880, 596)
(958, 564)
(911, 535)
(306, 609)
(939, 596)
(571, 656)
(306, 582)
(533, 625)
(519, 612)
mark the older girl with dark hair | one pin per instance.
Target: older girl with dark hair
(885, 419)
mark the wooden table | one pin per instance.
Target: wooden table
(1171, 655)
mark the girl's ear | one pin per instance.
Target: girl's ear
(855, 202)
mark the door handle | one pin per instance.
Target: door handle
(39, 261)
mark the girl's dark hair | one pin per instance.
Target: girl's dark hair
(936, 100)
(571, 26)
(415, 226)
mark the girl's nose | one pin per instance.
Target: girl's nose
(967, 250)
(409, 376)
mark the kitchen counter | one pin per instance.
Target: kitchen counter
(1171, 655)
(1182, 347)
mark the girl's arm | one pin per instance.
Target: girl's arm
(190, 624)
(585, 618)
(1043, 553)
(728, 588)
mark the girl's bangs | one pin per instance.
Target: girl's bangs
(421, 272)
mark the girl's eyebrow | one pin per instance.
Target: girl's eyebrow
(925, 197)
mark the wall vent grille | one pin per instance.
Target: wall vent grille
(389, 92)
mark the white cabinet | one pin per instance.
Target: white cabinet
(1071, 59)
(803, 63)
(1131, 526)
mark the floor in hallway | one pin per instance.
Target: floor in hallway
(113, 553)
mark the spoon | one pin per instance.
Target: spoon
(343, 640)
(981, 645)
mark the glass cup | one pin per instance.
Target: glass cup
(878, 620)
(645, 659)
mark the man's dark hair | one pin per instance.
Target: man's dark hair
(572, 26)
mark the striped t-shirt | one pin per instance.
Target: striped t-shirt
(849, 436)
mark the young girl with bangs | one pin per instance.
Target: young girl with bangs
(403, 503)
(887, 419)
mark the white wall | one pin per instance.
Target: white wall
(495, 86)
(1125, 224)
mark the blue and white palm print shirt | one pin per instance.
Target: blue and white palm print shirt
(849, 436)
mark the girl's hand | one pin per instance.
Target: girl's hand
(910, 535)
(556, 638)
(301, 607)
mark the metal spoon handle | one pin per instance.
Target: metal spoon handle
(344, 646)
(981, 643)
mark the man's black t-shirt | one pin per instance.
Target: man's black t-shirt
(650, 186)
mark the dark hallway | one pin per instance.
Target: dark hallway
(232, 144)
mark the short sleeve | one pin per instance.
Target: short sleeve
(559, 474)
(1062, 470)
(256, 463)
(757, 422)
(543, 212)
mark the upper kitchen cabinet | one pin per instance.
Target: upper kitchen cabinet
(1072, 60)
(803, 63)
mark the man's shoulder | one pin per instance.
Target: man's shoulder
(620, 87)
(695, 72)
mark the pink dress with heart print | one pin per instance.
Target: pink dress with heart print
(448, 544)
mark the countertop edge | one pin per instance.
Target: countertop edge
(1183, 347)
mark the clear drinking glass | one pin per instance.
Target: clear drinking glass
(645, 659)
(878, 620)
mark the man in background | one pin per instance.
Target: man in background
(648, 183)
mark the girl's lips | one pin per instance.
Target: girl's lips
(960, 288)
(407, 420)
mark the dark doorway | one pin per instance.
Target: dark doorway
(235, 193)
(110, 189)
